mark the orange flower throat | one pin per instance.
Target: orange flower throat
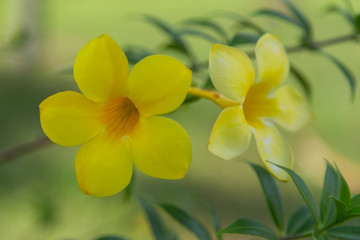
(120, 117)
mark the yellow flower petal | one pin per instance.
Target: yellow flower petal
(294, 110)
(272, 61)
(69, 118)
(231, 71)
(103, 166)
(101, 69)
(161, 148)
(231, 134)
(158, 84)
(273, 148)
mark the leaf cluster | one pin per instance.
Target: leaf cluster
(323, 221)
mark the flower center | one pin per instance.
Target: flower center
(258, 105)
(120, 117)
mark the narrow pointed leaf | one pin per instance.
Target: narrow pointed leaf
(129, 190)
(340, 209)
(345, 71)
(241, 21)
(344, 232)
(200, 34)
(243, 38)
(176, 41)
(158, 228)
(355, 201)
(357, 23)
(342, 12)
(249, 227)
(213, 215)
(300, 222)
(319, 236)
(187, 221)
(112, 238)
(279, 15)
(301, 79)
(330, 188)
(135, 53)
(272, 195)
(300, 17)
(344, 191)
(207, 23)
(305, 193)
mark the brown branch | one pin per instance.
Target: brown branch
(22, 149)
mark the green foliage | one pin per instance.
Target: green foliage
(330, 189)
(160, 231)
(305, 193)
(249, 227)
(111, 238)
(272, 195)
(344, 232)
(344, 70)
(187, 221)
(300, 77)
(300, 222)
(176, 40)
(243, 38)
(209, 24)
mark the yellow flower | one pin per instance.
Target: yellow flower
(116, 120)
(256, 105)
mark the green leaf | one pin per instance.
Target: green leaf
(344, 194)
(318, 236)
(355, 201)
(301, 79)
(357, 22)
(207, 23)
(135, 53)
(243, 38)
(241, 21)
(176, 41)
(213, 215)
(355, 207)
(340, 209)
(279, 15)
(344, 232)
(187, 221)
(301, 18)
(300, 222)
(304, 192)
(272, 195)
(128, 191)
(345, 71)
(200, 34)
(342, 12)
(249, 227)
(111, 238)
(330, 188)
(158, 228)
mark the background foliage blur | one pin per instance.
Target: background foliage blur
(39, 196)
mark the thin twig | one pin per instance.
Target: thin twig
(21, 149)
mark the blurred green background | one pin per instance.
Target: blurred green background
(39, 196)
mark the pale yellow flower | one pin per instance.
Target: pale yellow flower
(115, 120)
(256, 105)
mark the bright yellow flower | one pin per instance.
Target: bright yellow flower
(256, 105)
(116, 120)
